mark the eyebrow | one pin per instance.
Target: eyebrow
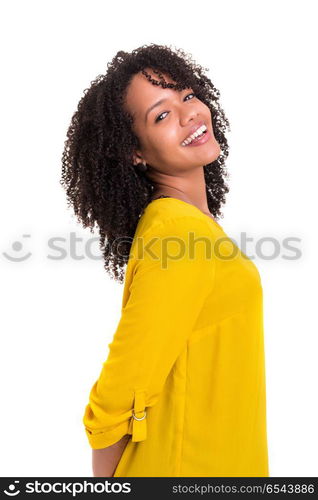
(154, 106)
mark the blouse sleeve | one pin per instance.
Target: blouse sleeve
(172, 276)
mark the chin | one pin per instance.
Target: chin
(213, 154)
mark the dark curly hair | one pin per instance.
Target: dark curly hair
(101, 182)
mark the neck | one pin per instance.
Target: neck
(190, 188)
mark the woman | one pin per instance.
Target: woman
(182, 391)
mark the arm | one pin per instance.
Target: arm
(166, 295)
(105, 460)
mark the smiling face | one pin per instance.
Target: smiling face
(162, 128)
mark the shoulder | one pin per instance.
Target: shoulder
(172, 217)
(176, 244)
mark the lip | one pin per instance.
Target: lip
(193, 129)
(197, 142)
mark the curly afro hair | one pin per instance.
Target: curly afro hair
(101, 182)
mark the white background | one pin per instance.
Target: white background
(58, 316)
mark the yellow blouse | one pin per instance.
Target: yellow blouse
(185, 372)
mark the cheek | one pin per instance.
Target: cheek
(163, 140)
(205, 110)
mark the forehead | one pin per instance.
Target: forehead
(141, 93)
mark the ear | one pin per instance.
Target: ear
(137, 157)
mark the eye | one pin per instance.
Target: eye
(159, 120)
(158, 117)
(192, 93)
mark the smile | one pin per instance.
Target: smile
(195, 136)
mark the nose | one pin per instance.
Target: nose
(187, 116)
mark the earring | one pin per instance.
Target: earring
(142, 167)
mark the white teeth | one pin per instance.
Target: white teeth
(198, 132)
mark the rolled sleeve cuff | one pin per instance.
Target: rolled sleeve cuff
(136, 426)
(102, 439)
